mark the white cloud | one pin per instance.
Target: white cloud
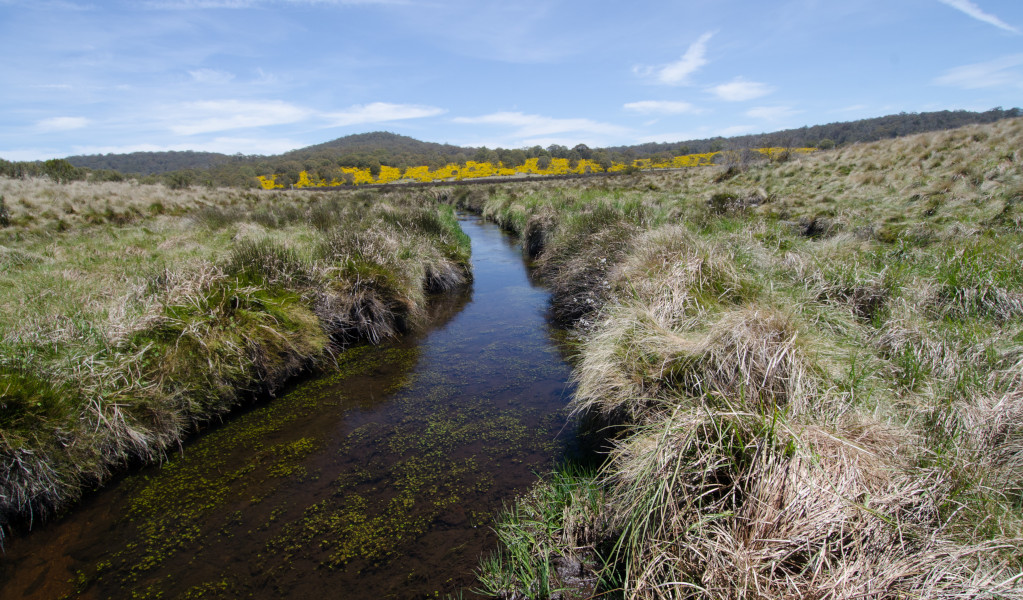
(739, 90)
(61, 124)
(243, 4)
(379, 112)
(678, 72)
(700, 133)
(772, 113)
(974, 11)
(221, 115)
(49, 5)
(210, 76)
(661, 107)
(29, 154)
(1000, 72)
(224, 145)
(535, 126)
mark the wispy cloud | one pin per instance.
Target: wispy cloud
(222, 115)
(850, 108)
(210, 76)
(739, 90)
(379, 112)
(242, 4)
(661, 107)
(1001, 72)
(974, 11)
(737, 130)
(61, 124)
(700, 133)
(678, 72)
(48, 5)
(224, 145)
(772, 113)
(534, 126)
(192, 118)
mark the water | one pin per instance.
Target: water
(378, 481)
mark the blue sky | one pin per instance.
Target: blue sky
(267, 76)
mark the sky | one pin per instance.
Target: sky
(268, 76)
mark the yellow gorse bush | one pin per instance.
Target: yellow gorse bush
(269, 182)
(476, 170)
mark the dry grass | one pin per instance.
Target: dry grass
(118, 335)
(813, 394)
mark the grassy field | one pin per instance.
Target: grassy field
(131, 314)
(807, 374)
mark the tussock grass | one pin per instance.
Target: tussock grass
(120, 336)
(810, 372)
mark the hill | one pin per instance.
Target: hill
(369, 150)
(830, 134)
(151, 163)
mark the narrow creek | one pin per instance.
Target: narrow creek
(378, 480)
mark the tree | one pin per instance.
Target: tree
(178, 180)
(61, 171)
(602, 158)
(558, 151)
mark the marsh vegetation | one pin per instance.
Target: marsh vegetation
(805, 372)
(808, 373)
(131, 315)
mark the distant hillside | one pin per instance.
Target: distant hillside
(379, 144)
(370, 150)
(151, 163)
(839, 133)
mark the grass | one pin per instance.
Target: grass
(131, 314)
(809, 373)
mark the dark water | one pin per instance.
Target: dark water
(378, 481)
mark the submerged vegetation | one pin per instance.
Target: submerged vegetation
(131, 314)
(808, 375)
(805, 371)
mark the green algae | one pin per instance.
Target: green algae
(176, 507)
(173, 507)
(385, 464)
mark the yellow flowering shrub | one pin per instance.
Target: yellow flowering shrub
(388, 174)
(359, 176)
(474, 169)
(269, 182)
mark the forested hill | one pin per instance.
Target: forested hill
(150, 163)
(840, 133)
(396, 150)
(367, 150)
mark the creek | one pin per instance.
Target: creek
(378, 479)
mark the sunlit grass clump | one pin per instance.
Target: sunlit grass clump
(808, 375)
(131, 314)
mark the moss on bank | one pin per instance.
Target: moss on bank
(121, 336)
(809, 372)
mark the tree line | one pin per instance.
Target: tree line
(373, 150)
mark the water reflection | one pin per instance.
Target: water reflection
(378, 480)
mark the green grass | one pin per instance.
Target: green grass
(809, 372)
(149, 311)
